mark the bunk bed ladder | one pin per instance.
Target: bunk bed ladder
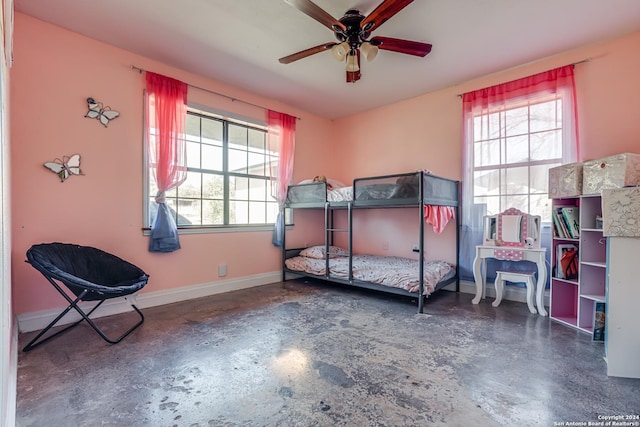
(329, 230)
(328, 237)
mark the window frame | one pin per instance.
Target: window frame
(503, 165)
(226, 119)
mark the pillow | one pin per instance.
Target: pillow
(318, 252)
(334, 183)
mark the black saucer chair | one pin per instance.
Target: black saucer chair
(91, 275)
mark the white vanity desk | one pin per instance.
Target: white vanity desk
(514, 236)
(535, 255)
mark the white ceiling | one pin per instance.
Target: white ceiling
(238, 42)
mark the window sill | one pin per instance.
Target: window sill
(221, 229)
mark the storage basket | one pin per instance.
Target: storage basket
(565, 181)
(621, 170)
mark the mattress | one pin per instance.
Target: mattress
(342, 194)
(389, 271)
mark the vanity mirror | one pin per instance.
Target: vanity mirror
(512, 228)
(490, 233)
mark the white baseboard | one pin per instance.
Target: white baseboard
(511, 293)
(35, 321)
(9, 406)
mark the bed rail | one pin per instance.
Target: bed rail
(405, 189)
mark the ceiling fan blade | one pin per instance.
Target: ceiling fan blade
(383, 12)
(402, 46)
(307, 52)
(311, 9)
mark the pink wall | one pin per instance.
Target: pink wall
(608, 89)
(54, 72)
(425, 132)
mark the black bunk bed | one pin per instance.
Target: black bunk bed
(330, 263)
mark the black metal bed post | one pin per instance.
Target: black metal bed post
(284, 244)
(350, 232)
(327, 225)
(458, 225)
(421, 245)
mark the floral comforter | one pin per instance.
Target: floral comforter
(384, 270)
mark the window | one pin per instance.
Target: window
(513, 149)
(229, 181)
(513, 134)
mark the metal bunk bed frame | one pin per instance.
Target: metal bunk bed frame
(422, 201)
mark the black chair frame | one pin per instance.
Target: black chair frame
(84, 289)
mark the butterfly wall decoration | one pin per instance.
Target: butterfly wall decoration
(69, 165)
(98, 111)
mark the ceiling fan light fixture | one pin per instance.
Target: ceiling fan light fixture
(340, 51)
(352, 62)
(369, 51)
(352, 33)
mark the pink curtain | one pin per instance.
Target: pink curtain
(548, 81)
(554, 81)
(282, 139)
(166, 116)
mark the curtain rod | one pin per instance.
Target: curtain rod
(573, 63)
(141, 70)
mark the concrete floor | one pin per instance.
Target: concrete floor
(314, 354)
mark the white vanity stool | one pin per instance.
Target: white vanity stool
(516, 277)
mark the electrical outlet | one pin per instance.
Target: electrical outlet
(385, 246)
(415, 248)
(222, 270)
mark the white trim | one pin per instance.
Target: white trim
(511, 293)
(8, 24)
(34, 321)
(221, 229)
(227, 115)
(12, 380)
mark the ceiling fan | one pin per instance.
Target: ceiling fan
(353, 31)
